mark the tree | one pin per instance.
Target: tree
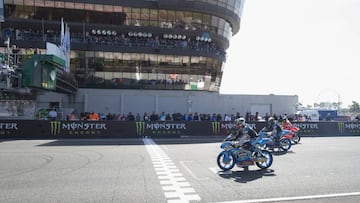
(354, 107)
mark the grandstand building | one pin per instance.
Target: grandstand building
(129, 51)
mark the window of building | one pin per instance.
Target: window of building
(145, 16)
(29, 3)
(231, 4)
(163, 18)
(59, 4)
(154, 17)
(39, 3)
(108, 8)
(222, 3)
(69, 5)
(99, 7)
(80, 6)
(89, 7)
(135, 16)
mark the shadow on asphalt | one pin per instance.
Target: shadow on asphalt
(91, 142)
(247, 175)
(280, 153)
(129, 141)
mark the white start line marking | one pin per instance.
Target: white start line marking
(176, 188)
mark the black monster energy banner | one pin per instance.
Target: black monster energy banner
(35, 129)
(25, 129)
(224, 128)
(172, 129)
(342, 128)
(140, 128)
(91, 129)
(77, 128)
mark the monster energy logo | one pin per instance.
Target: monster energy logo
(140, 128)
(216, 127)
(341, 127)
(55, 127)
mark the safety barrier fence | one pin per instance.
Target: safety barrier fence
(38, 129)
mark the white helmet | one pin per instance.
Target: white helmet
(271, 121)
(240, 121)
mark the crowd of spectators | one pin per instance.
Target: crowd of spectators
(214, 117)
(120, 39)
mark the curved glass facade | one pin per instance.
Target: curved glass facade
(178, 53)
(119, 15)
(234, 5)
(153, 71)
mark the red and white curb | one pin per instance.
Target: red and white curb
(176, 188)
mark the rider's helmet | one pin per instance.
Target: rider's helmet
(271, 121)
(240, 122)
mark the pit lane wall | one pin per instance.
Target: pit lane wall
(35, 129)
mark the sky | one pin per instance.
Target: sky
(309, 48)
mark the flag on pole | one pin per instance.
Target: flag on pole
(65, 44)
(62, 33)
(67, 47)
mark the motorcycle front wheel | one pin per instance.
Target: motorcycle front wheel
(226, 161)
(265, 160)
(296, 138)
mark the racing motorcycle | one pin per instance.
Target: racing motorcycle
(283, 143)
(292, 131)
(232, 154)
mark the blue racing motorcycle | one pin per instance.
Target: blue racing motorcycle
(283, 143)
(234, 154)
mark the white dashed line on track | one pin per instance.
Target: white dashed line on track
(176, 188)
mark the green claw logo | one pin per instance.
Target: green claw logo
(140, 128)
(215, 127)
(341, 127)
(55, 127)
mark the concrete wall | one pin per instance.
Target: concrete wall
(140, 101)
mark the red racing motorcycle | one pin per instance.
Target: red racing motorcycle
(291, 132)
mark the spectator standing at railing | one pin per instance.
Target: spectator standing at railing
(213, 118)
(154, 117)
(266, 117)
(256, 118)
(248, 117)
(146, 117)
(168, 117)
(43, 117)
(184, 117)
(227, 117)
(130, 117)
(71, 116)
(328, 117)
(189, 117)
(53, 114)
(138, 117)
(93, 116)
(219, 117)
(238, 115)
(162, 116)
(196, 117)
(357, 118)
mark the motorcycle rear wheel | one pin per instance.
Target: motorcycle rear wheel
(226, 161)
(285, 144)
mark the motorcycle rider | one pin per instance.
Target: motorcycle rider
(244, 133)
(273, 128)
